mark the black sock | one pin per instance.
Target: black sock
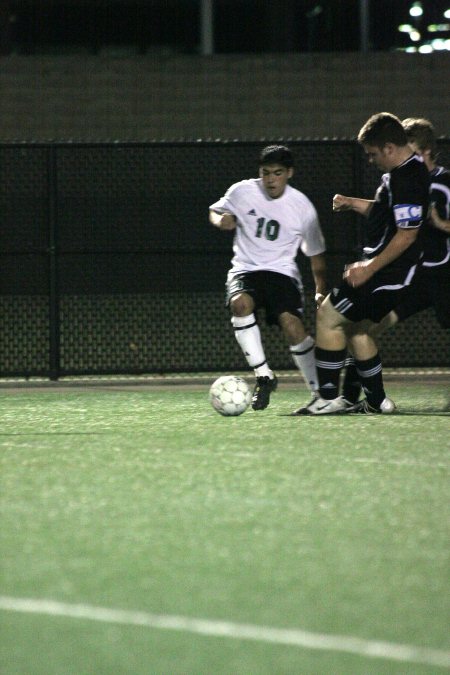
(351, 387)
(371, 376)
(329, 366)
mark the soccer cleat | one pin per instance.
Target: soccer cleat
(322, 406)
(261, 394)
(304, 410)
(363, 407)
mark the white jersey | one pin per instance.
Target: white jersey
(269, 232)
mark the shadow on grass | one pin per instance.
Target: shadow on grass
(402, 413)
(56, 433)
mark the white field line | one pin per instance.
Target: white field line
(237, 631)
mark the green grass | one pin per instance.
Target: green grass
(148, 500)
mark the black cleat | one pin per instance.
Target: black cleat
(261, 394)
(363, 407)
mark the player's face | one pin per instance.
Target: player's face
(380, 157)
(275, 178)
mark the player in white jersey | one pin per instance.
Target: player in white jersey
(273, 222)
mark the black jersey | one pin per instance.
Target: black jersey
(401, 201)
(435, 242)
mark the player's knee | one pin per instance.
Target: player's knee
(241, 304)
(328, 317)
(361, 343)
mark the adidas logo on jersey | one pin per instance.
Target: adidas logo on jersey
(252, 212)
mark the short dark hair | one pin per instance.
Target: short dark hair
(419, 130)
(383, 128)
(276, 154)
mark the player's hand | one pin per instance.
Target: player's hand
(342, 203)
(227, 221)
(358, 273)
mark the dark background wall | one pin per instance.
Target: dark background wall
(246, 97)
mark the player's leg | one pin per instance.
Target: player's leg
(331, 349)
(284, 302)
(366, 367)
(361, 308)
(330, 353)
(248, 335)
(349, 312)
(301, 347)
(375, 303)
(351, 384)
(369, 369)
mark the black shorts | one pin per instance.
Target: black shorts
(271, 291)
(429, 288)
(374, 299)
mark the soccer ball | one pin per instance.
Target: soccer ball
(230, 395)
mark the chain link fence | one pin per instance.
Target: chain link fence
(109, 264)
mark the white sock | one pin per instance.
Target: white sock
(248, 336)
(304, 358)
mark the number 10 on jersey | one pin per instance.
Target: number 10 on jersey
(270, 228)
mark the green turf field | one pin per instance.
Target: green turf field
(143, 533)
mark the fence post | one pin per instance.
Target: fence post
(53, 281)
(357, 181)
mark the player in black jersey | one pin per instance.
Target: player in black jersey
(430, 286)
(374, 286)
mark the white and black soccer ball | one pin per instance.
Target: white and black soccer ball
(230, 395)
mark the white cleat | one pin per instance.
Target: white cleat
(304, 409)
(322, 406)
